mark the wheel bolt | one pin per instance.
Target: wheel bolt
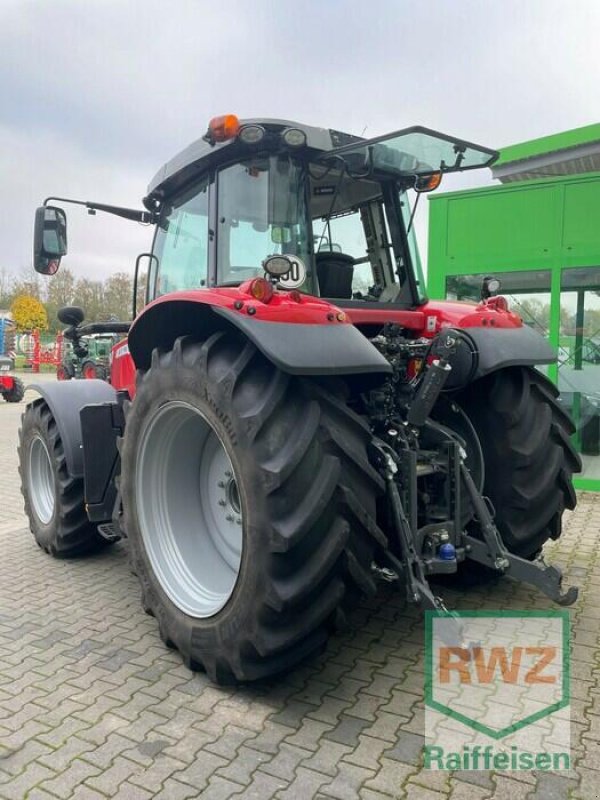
(229, 517)
(222, 503)
(238, 521)
(221, 484)
(228, 473)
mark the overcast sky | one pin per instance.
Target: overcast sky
(95, 96)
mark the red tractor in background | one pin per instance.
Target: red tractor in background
(11, 387)
(290, 419)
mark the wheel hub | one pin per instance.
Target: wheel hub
(189, 509)
(41, 480)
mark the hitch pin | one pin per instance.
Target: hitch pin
(384, 573)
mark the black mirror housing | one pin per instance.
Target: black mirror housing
(49, 239)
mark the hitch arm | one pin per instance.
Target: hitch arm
(492, 552)
(411, 566)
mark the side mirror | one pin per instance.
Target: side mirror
(71, 315)
(49, 239)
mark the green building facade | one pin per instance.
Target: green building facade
(541, 237)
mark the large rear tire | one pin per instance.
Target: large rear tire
(528, 456)
(54, 500)
(217, 436)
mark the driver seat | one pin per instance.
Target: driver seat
(335, 272)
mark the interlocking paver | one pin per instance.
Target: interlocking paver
(327, 758)
(64, 784)
(306, 784)
(221, 789)
(347, 731)
(175, 790)
(18, 788)
(261, 786)
(390, 777)
(285, 763)
(415, 792)
(244, 764)
(348, 782)
(112, 776)
(92, 705)
(467, 791)
(367, 753)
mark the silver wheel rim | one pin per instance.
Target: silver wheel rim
(41, 480)
(189, 509)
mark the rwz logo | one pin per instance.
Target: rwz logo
(478, 665)
(496, 672)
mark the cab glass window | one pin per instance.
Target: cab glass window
(181, 244)
(261, 212)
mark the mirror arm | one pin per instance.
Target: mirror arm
(103, 327)
(127, 213)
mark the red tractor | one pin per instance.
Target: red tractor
(11, 388)
(290, 420)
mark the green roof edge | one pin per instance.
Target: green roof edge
(513, 186)
(549, 144)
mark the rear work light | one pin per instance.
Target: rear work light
(294, 137)
(251, 134)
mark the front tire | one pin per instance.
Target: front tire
(528, 456)
(88, 370)
(64, 372)
(289, 462)
(54, 500)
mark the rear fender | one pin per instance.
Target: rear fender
(498, 348)
(292, 335)
(65, 400)
(481, 351)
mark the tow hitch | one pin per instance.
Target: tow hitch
(489, 550)
(493, 553)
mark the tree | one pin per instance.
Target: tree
(89, 295)
(118, 296)
(141, 291)
(61, 292)
(28, 313)
(6, 292)
(28, 283)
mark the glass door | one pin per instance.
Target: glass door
(579, 361)
(527, 292)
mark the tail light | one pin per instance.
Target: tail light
(261, 289)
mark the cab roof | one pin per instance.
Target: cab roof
(414, 150)
(197, 156)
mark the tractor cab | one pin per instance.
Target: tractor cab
(337, 204)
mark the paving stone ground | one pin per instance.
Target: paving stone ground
(92, 705)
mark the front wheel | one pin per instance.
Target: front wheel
(88, 370)
(249, 503)
(528, 457)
